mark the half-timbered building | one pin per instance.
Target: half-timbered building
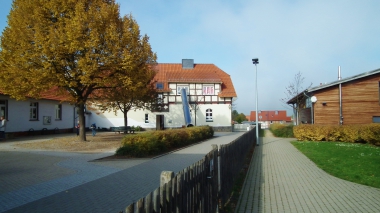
(209, 91)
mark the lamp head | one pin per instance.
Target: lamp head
(255, 61)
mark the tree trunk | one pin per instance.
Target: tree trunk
(125, 118)
(82, 122)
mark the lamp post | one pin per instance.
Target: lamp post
(255, 61)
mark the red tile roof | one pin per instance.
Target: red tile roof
(166, 72)
(270, 116)
(52, 94)
(201, 73)
(55, 94)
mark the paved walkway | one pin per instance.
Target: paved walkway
(281, 179)
(46, 181)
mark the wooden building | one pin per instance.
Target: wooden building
(353, 100)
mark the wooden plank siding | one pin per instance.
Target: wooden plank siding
(329, 113)
(360, 102)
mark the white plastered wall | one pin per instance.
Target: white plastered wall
(19, 113)
(221, 114)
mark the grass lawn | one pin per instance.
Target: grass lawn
(359, 163)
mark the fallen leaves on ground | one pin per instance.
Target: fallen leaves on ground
(99, 143)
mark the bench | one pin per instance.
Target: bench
(124, 129)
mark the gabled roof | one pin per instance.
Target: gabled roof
(201, 73)
(352, 78)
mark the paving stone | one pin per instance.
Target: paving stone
(284, 180)
(97, 187)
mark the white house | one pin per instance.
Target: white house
(210, 94)
(31, 116)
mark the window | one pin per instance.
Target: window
(209, 115)
(159, 85)
(159, 99)
(58, 112)
(179, 88)
(146, 118)
(33, 111)
(308, 103)
(376, 119)
(208, 90)
(4, 108)
(276, 112)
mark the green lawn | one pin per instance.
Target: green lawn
(359, 163)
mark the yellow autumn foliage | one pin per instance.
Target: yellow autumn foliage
(79, 47)
(368, 133)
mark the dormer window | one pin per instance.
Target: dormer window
(159, 86)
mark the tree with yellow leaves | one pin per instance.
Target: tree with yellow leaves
(78, 46)
(140, 92)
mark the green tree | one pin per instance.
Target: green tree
(78, 47)
(240, 118)
(235, 114)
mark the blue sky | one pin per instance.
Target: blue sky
(313, 37)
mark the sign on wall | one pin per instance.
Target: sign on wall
(47, 120)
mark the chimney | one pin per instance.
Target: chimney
(187, 63)
(339, 77)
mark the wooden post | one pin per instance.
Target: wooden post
(165, 177)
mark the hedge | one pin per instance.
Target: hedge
(158, 142)
(282, 130)
(363, 133)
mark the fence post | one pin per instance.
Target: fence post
(130, 208)
(165, 177)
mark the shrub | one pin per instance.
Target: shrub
(157, 142)
(368, 133)
(137, 128)
(282, 130)
(371, 134)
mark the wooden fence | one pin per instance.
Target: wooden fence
(232, 158)
(201, 187)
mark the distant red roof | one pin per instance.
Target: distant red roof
(200, 73)
(276, 115)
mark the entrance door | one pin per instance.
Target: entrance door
(160, 122)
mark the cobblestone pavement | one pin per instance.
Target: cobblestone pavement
(282, 179)
(46, 181)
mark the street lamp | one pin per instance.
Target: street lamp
(255, 61)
